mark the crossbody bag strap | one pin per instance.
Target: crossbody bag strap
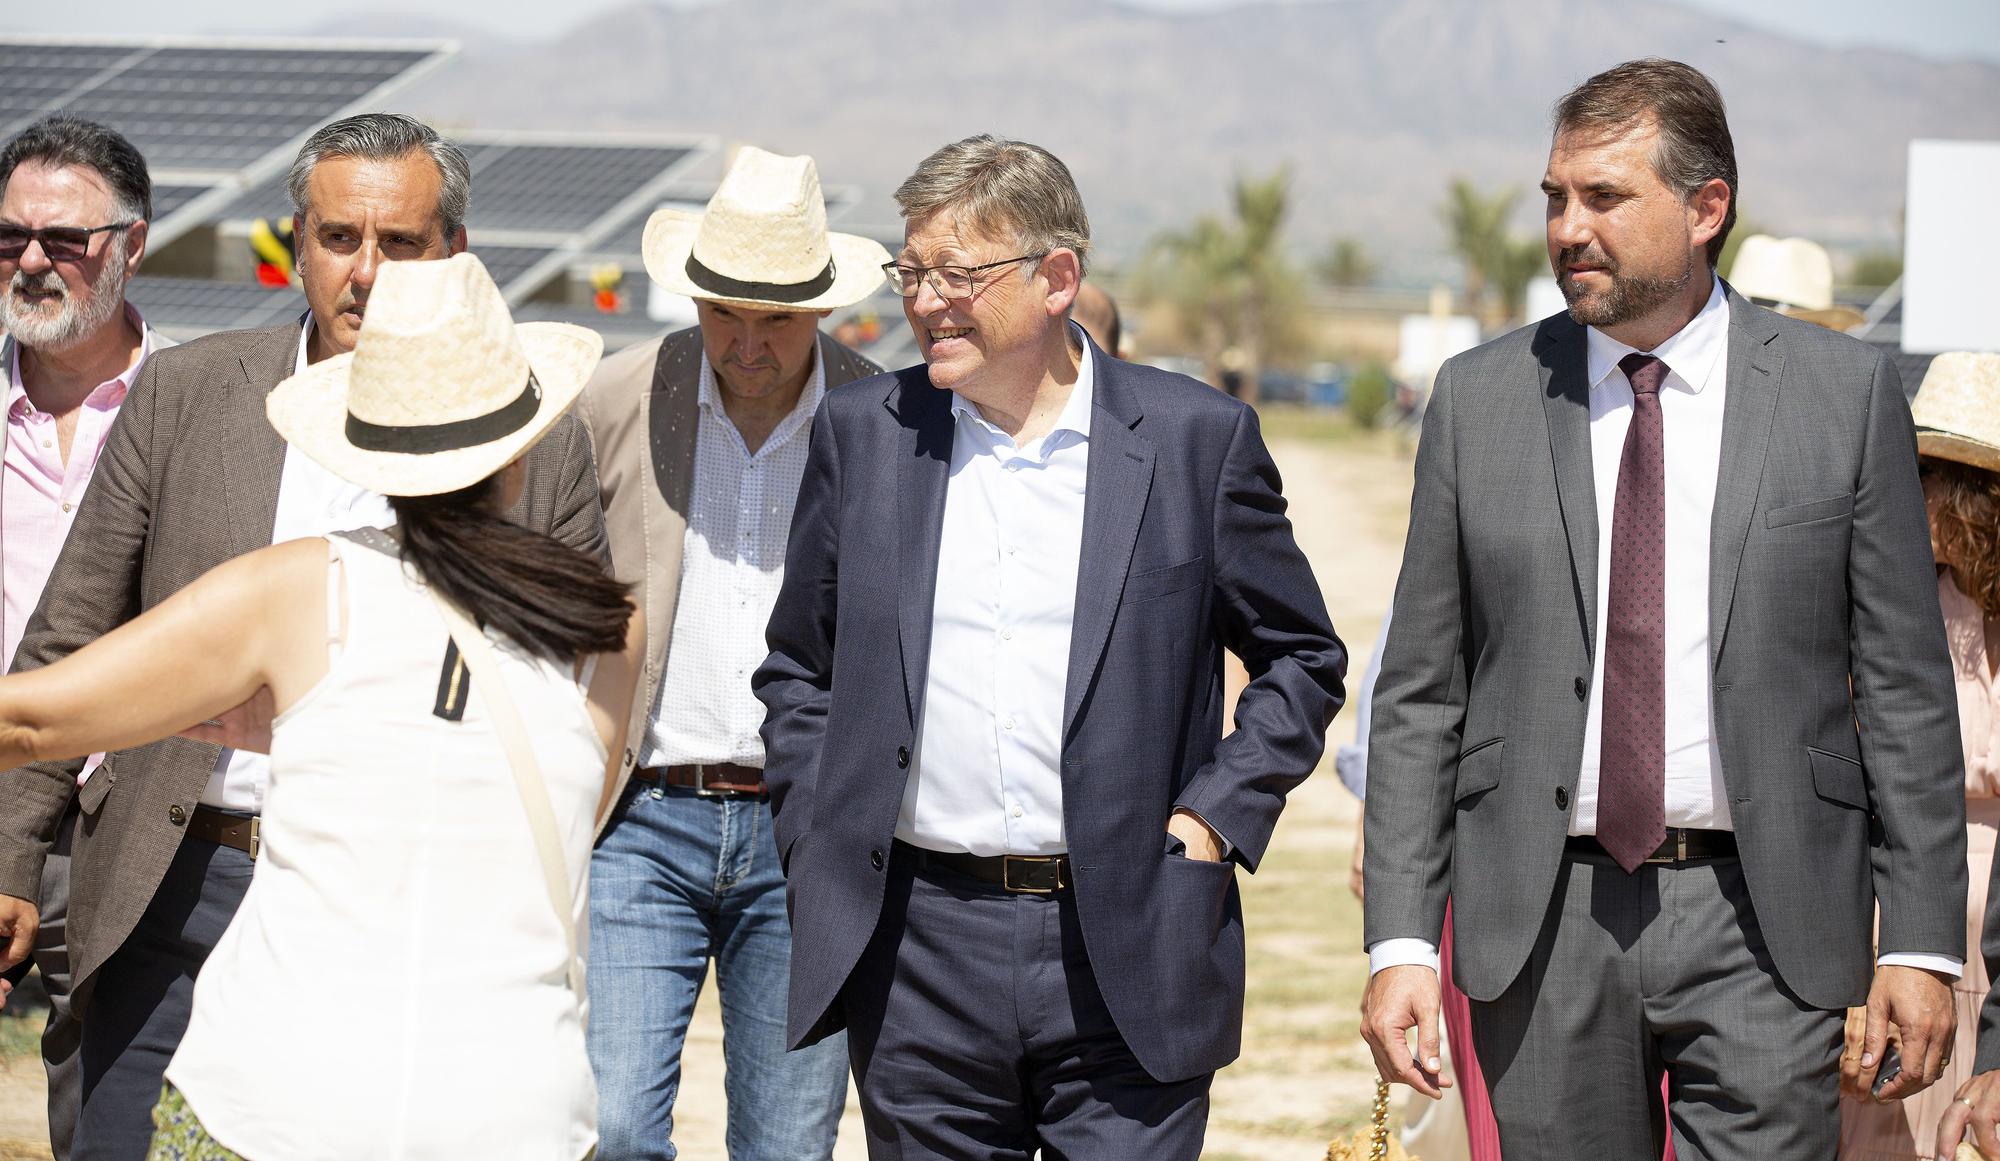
(478, 655)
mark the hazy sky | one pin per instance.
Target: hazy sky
(1947, 28)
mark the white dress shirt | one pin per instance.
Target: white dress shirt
(987, 774)
(1691, 410)
(732, 563)
(311, 502)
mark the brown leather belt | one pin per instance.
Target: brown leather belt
(1021, 874)
(243, 832)
(716, 780)
(1681, 846)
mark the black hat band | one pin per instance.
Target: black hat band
(427, 438)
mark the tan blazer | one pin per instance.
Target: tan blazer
(641, 410)
(188, 479)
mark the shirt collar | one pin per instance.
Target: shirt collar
(1691, 354)
(108, 394)
(710, 399)
(1075, 417)
(305, 345)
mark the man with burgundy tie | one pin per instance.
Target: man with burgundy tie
(1666, 709)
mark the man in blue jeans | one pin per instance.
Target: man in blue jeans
(701, 443)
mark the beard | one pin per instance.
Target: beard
(72, 319)
(1628, 297)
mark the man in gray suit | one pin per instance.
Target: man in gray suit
(193, 474)
(1616, 722)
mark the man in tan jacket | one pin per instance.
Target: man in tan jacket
(701, 443)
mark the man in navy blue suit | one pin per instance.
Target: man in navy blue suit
(994, 702)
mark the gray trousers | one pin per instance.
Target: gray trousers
(51, 956)
(1662, 969)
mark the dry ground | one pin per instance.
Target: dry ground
(1304, 1074)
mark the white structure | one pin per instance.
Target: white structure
(1951, 248)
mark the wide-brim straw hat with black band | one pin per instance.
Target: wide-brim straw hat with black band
(763, 242)
(1793, 274)
(1957, 410)
(443, 387)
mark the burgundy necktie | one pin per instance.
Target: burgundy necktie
(1631, 773)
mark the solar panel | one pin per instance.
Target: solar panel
(168, 198)
(626, 238)
(199, 304)
(560, 187)
(506, 263)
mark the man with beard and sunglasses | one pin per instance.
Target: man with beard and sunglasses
(75, 200)
(1666, 710)
(194, 475)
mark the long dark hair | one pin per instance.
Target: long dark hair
(539, 592)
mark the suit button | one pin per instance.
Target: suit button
(1582, 689)
(902, 757)
(1562, 798)
(875, 859)
(176, 815)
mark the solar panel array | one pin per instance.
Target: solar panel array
(199, 304)
(189, 107)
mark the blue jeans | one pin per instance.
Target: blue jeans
(677, 880)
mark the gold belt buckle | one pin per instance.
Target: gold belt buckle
(1007, 874)
(1680, 850)
(256, 834)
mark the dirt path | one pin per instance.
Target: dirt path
(1303, 1075)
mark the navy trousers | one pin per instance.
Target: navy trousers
(143, 996)
(976, 1031)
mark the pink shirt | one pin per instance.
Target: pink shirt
(1978, 698)
(39, 492)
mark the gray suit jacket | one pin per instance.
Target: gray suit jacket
(641, 409)
(1834, 708)
(188, 479)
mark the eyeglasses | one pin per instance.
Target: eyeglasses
(60, 243)
(948, 281)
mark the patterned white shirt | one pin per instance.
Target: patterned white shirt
(732, 562)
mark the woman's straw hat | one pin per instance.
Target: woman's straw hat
(763, 243)
(442, 388)
(1796, 274)
(1957, 410)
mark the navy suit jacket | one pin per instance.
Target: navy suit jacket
(1186, 552)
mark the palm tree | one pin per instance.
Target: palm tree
(1228, 283)
(1346, 264)
(1476, 225)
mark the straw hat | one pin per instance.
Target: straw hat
(1957, 410)
(442, 388)
(763, 242)
(1794, 273)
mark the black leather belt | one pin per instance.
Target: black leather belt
(241, 831)
(1681, 846)
(1022, 874)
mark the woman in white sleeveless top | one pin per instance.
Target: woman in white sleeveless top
(402, 980)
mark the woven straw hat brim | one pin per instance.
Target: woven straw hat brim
(1949, 445)
(857, 265)
(310, 411)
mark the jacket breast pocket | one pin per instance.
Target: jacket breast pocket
(92, 793)
(1811, 511)
(1478, 771)
(1162, 582)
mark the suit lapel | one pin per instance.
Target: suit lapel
(1756, 363)
(672, 417)
(1116, 486)
(923, 471)
(253, 454)
(1565, 377)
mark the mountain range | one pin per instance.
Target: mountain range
(1374, 105)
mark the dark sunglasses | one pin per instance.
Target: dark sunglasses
(60, 243)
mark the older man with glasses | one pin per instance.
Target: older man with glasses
(994, 702)
(75, 198)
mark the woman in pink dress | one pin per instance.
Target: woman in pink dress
(1958, 441)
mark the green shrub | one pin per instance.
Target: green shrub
(1369, 393)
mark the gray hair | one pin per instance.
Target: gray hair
(60, 140)
(1001, 186)
(386, 137)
